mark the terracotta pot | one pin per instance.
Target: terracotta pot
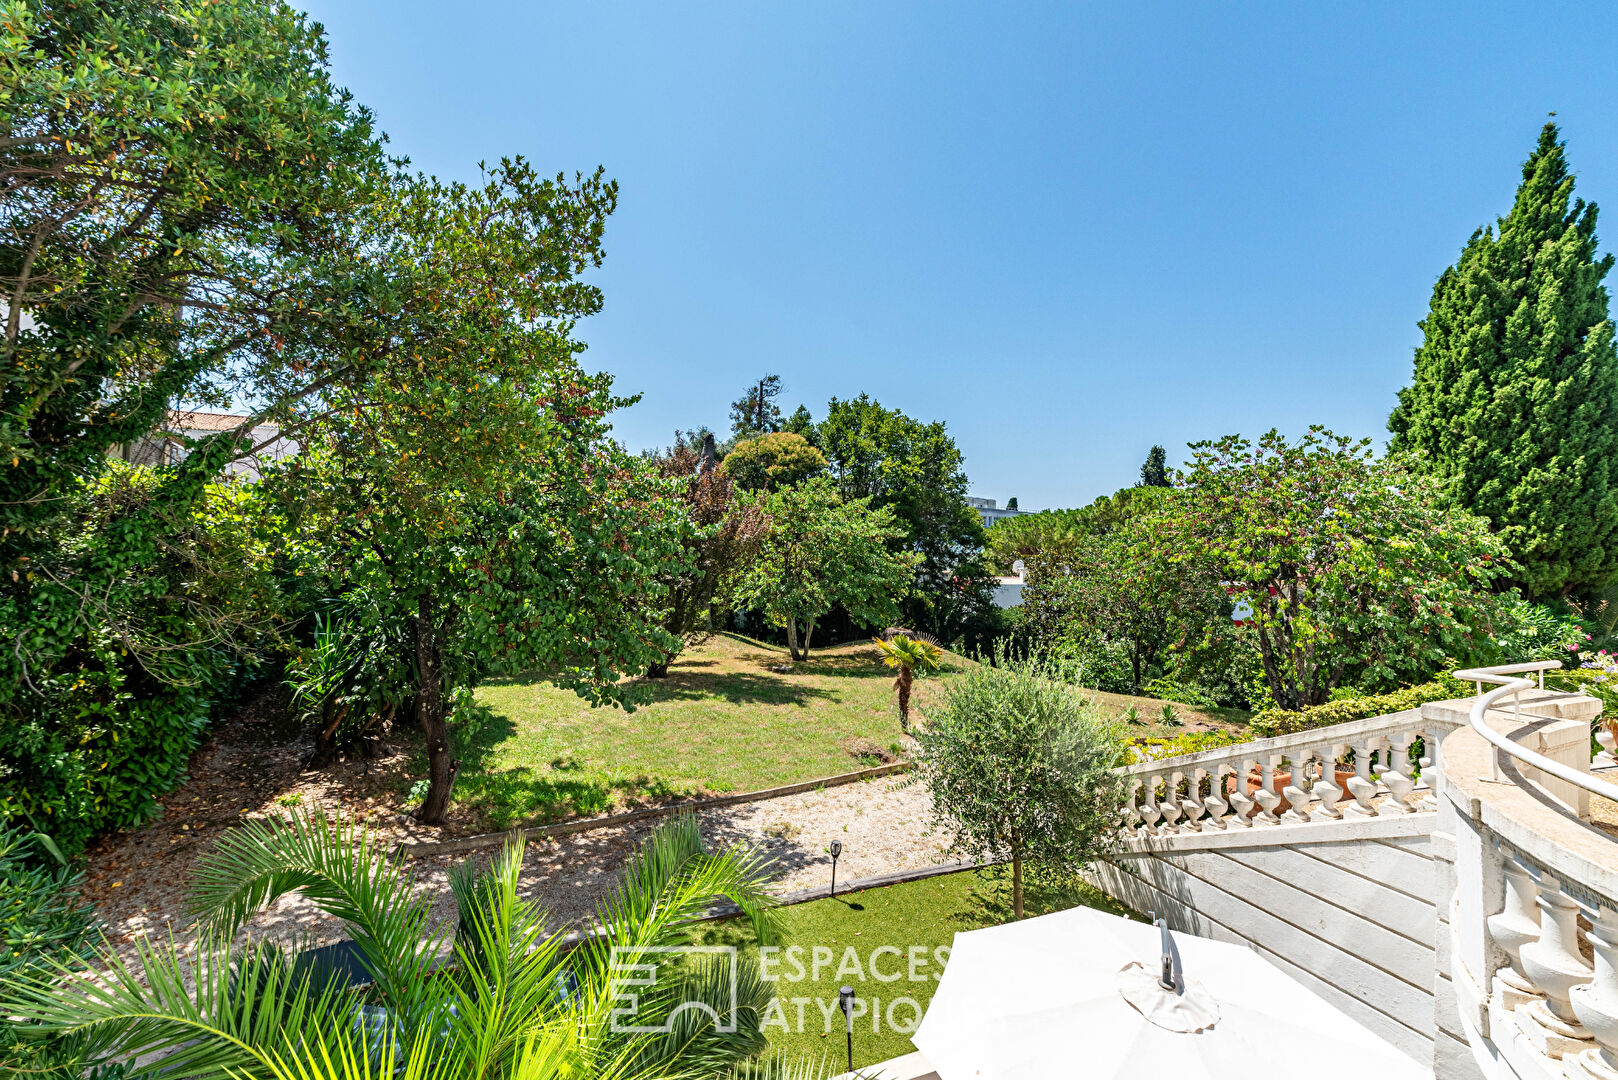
(1284, 777)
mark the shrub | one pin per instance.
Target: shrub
(41, 923)
(1539, 632)
(1273, 721)
(1599, 682)
(1192, 742)
(1169, 690)
(96, 739)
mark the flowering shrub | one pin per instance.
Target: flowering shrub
(1192, 742)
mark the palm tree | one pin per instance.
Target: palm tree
(907, 656)
(494, 995)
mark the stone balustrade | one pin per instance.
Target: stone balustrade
(1361, 769)
(1531, 897)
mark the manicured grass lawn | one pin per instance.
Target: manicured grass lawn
(914, 920)
(722, 721)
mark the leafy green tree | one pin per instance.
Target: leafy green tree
(1049, 533)
(1020, 768)
(755, 412)
(1011, 503)
(802, 423)
(1513, 408)
(822, 552)
(1154, 473)
(465, 500)
(1353, 566)
(915, 470)
(771, 462)
(186, 199)
(514, 1001)
(725, 536)
(1121, 587)
(908, 657)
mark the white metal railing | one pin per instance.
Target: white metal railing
(1507, 686)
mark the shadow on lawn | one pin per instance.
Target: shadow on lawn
(989, 903)
(525, 796)
(737, 687)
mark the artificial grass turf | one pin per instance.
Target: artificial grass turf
(912, 924)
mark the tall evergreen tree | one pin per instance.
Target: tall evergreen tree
(1154, 472)
(1514, 404)
(755, 412)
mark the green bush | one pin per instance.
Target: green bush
(41, 923)
(92, 741)
(1273, 721)
(1192, 742)
(1169, 690)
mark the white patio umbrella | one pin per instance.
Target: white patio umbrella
(1046, 997)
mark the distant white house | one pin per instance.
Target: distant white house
(167, 445)
(989, 511)
(1008, 590)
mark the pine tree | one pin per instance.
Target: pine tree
(755, 412)
(1514, 404)
(1154, 473)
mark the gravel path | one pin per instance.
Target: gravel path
(884, 825)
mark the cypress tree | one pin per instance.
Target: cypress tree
(1154, 473)
(1514, 404)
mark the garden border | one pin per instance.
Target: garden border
(567, 828)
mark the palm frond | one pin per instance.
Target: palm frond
(340, 870)
(508, 967)
(780, 1067)
(224, 1010)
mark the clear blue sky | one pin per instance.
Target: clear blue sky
(1069, 231)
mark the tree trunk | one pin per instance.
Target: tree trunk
(904, 700)
(1016, 885)
(441, 766)
(659, 670)
(792, 638)
(808, 632)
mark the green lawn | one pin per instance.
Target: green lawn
(909, 921)
(723, 721)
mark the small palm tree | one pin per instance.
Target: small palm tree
(493, 995)
(908, 656)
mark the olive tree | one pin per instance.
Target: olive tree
(1020, 767)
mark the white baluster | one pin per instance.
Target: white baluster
(1129, 811)
(1554, 966)
(1431, 768)
(1215, 802)
(1192, 803)
(1360, 785)
(1596, 1003)
(1151, 812)
(1396, 774)
(1326, 785)
(1297, 795)
(1171, 804)
(1266, 796)
(1240, 800)
(1515, 926)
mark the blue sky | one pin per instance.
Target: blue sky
(1069, 231)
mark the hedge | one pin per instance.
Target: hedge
(1273, 721)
